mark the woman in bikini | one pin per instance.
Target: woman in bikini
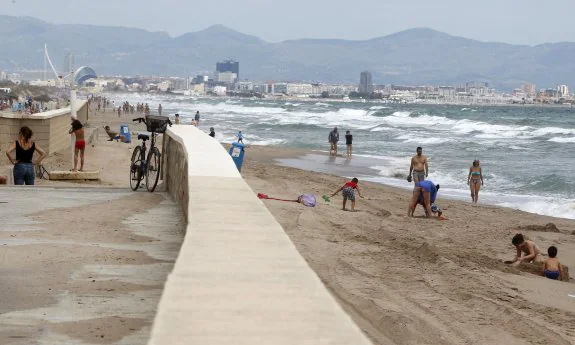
(80, 146)
(475, 180)
(23, 163)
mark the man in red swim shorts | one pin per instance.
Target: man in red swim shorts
(78, 130)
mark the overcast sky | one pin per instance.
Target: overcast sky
(512, 21)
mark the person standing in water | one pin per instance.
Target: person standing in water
(333, 138)
(160, 109)
(475, 180)
(212, 132)
(348, 141)
(197, 118)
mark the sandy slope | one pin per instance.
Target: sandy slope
(420, 281)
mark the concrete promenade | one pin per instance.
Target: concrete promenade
(83, 265)
(238, 278)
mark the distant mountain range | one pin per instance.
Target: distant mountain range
(414, 57)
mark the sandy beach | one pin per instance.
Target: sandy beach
(416, 280)
(403, 280)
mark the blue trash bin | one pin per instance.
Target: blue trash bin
(237, 153)
(125, 131)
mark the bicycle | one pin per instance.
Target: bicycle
(148, 167)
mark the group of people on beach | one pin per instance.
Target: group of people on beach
(21, 154)
(528, 251)
(333, 139)
(425, 194)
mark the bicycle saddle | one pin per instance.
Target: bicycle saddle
(143, 137)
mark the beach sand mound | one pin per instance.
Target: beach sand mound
(549, 227)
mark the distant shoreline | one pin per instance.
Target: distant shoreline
(337, 100)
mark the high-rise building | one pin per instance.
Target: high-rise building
(226, 77)
(365, 82)
(229, 66)
(563, 91)
(3, 75)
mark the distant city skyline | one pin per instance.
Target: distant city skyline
(512, 21)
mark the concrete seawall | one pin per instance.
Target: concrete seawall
(238, 278)
(50, 128)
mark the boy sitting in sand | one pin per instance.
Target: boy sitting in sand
(552, 267)
(527, 250)
(348, 193)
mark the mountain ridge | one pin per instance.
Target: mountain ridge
(415, 56)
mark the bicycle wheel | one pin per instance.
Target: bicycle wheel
(136, 168)
(153, 164)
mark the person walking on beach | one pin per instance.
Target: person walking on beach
(197, 118)
(177, 119)
(348, 141)
(333, 138)
(475, 180)
(240, 137)
(212, 132)
(160, 109)
(418, 167)
(23, 163)
(80, 146)
(348, 193)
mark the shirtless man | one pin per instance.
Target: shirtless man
(419, 167)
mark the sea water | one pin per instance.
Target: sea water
(526, 152)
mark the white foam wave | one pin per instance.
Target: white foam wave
(378, 107)
(269, 142)
(422, 140)
(562, 140)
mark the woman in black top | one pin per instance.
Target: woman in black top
(23, 163)
(348, 140)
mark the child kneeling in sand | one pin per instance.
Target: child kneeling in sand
(527, 247)
(348, 193)
(552, 267)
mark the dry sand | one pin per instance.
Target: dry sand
(416, 280)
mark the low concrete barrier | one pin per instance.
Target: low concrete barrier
(50, 128)
(238, 278)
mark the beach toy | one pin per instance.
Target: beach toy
(305, 199)
(325, 198)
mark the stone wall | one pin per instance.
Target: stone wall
(176, 162)
(238, 278)
(50, 128)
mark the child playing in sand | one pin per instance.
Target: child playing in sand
(78, 130)
(527, 247)
(552, 267)
(348, 193)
